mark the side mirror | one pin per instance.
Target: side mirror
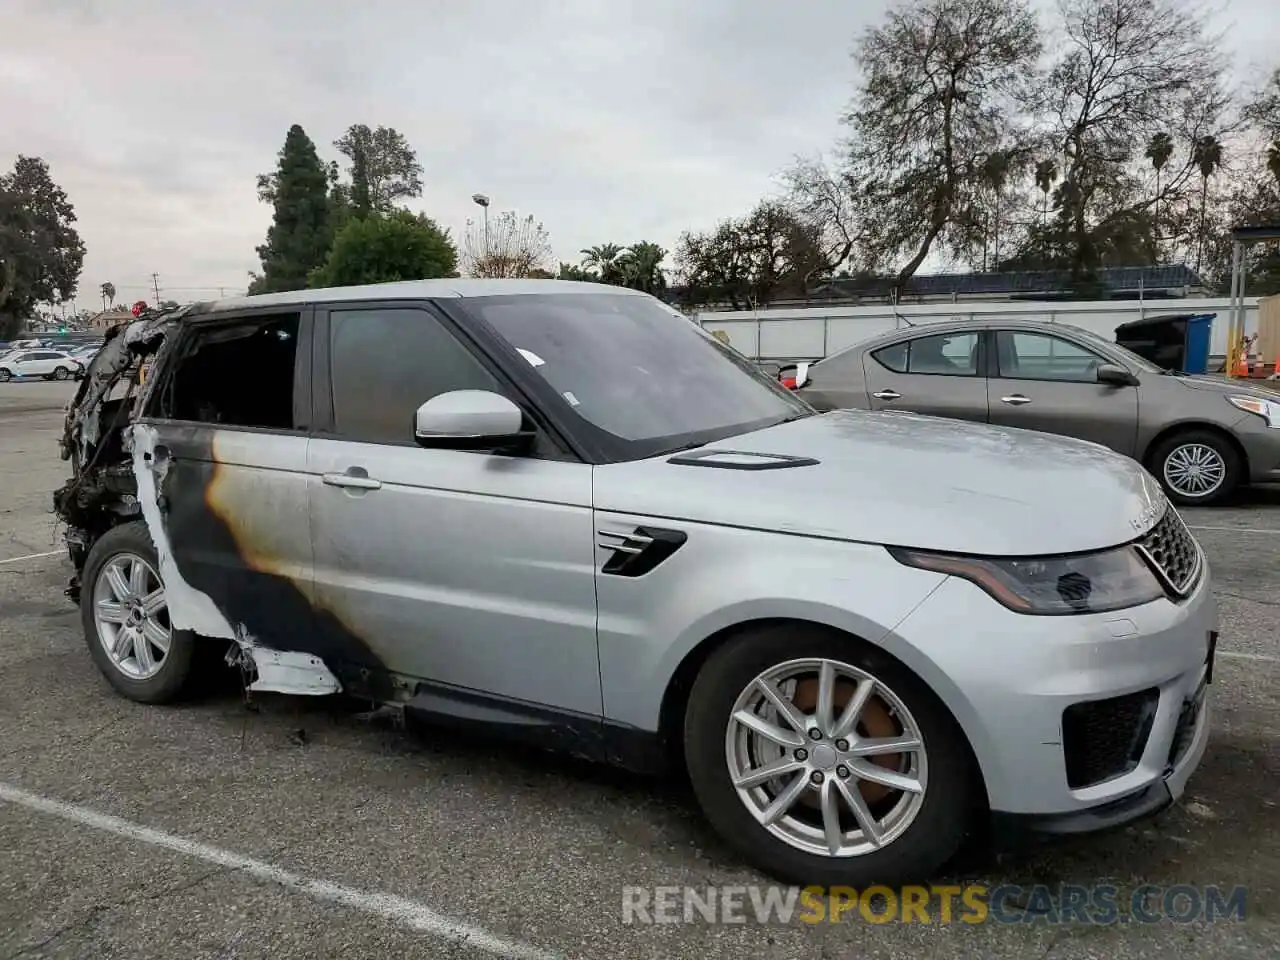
(470, 420)
(1116, 375)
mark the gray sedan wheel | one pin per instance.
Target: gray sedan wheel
(1197, 467)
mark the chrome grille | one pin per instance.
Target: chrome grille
(1172, 551)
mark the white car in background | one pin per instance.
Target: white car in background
(47, 364)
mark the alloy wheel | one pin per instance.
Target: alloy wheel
(1194, 470)
(131, 616)
(60, 373)
(826, 757)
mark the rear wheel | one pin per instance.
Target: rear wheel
(125, 613)
(825, 761)
(61, 373)
(1197, 467)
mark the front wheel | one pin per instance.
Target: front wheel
(825, 761)
(1197, 467)
(5, 375)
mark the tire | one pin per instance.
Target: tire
(60, 373)
(5, 375)
(1212, 451)
(174, 671)
(912, 852)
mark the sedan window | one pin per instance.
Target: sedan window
(1038, 356)
(946, 354)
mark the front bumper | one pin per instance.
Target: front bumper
(1017, 685)
(1261, 445)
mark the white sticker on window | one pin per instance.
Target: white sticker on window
(571, 398)
(532, 357)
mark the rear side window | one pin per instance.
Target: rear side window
(947, 354)
(238, 374)
(387, 363)
(893, 357)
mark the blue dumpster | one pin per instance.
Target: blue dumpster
(1179, 342)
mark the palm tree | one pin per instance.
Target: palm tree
(108, 291)
(641, 267)
(995, 174)
(1046, 176)
(1159, 152)
(603, 257)
(1207, 155)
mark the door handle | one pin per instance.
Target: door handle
(352, 480)
(887, 395)
(1017, 399)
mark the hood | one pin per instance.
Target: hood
(900, 479)
(1219, 385)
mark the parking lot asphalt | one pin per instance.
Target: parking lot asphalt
(303, 828)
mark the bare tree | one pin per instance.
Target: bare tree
(942, 83)
(1128, 70)
(516, 247)
(825, 198)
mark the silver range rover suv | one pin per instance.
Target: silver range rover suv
(563, 512)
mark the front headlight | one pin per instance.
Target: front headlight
(1077, 583)
(1268, 410)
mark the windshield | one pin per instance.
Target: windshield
(637, 370)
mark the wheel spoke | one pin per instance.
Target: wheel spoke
(878, 746)
(122, 643)
(772, 732)
(156, 635)
(866, 820)
(785, 800)
(768, 771)
(825, 712)
(142, 652)
(784, 706)
(886, 778)
(831, 817)
(137, 577)
(154, 602)
(118, 584)
(111, 611)
(853, 709)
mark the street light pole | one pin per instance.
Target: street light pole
(483, 202)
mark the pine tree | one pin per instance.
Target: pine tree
(301, 230)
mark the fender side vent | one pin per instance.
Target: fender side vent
(637, 553)
(741, 460)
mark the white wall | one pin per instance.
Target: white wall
(810, 333)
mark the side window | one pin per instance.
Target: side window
(949, 354)
(387, 363)
(894, 357)
(1038, 356)
(238, 374)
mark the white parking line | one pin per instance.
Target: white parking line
(34, 556)
(398, 910)
(1258, 530)
(1256, 657)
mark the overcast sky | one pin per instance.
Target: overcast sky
(609, 120)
